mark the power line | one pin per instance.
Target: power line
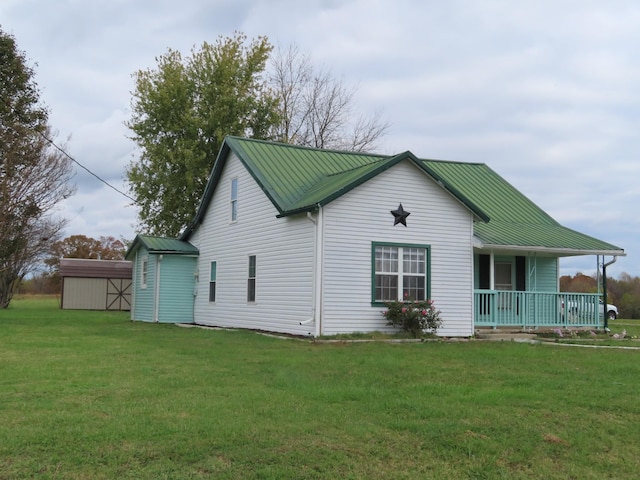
(85, 168)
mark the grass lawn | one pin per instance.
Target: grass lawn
(91, 395)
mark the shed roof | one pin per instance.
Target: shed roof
(161, 245)
(90, 268)
(298, 179)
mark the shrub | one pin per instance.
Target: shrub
(413, 316)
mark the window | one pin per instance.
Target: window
(251, 283)
(144, 270)
(212, 282)
(234, 199)
(400, 271)
(503, 278)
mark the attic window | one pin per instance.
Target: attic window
(234, 199)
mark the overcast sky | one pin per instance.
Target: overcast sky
(547, 93)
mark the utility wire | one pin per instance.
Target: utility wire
(85, 168)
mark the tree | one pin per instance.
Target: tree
(81, 246)
(317, 110)
(34, 176)
(181, 112)
(183, 109)
(579, 283)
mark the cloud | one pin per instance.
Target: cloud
(543, 92)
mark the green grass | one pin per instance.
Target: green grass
(91, 395)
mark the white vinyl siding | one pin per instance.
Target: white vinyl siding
(284, 248)
(362, 216)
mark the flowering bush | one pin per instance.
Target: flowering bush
(413, 316)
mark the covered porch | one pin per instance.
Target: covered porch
(532, 310)
(519, 288)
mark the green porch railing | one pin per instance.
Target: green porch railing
(501, 308)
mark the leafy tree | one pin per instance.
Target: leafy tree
(81, 246)
(34, 176)
(181, 112)
(579, 283)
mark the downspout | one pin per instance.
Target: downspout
(313, 275)
(604, 289)
(319, 262)
(157, 290)
(316, 283)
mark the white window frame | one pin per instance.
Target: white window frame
(144, 271)
(399, 272)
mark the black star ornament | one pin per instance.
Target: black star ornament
(400, 216)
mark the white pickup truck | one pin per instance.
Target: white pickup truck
(578, 307)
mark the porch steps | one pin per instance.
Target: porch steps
(505, 335)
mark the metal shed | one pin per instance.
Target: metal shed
(95, 284)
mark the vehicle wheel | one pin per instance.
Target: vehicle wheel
(611, 315)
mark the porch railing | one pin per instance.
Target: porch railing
(500, 308)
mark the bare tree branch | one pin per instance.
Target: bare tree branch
(316, 109)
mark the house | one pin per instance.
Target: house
(95, 284)
(313, 242)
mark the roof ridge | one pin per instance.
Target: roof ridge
(305, 147)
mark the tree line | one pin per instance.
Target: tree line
(47, 280)
(623, 292)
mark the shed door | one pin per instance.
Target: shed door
(119, 294)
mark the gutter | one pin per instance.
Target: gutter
(559, 251)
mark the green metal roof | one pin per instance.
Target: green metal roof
(515, 220)
(161, 245)
(298, 179)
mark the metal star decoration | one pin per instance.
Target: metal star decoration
(400, 216)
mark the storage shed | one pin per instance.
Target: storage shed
(95, 284)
